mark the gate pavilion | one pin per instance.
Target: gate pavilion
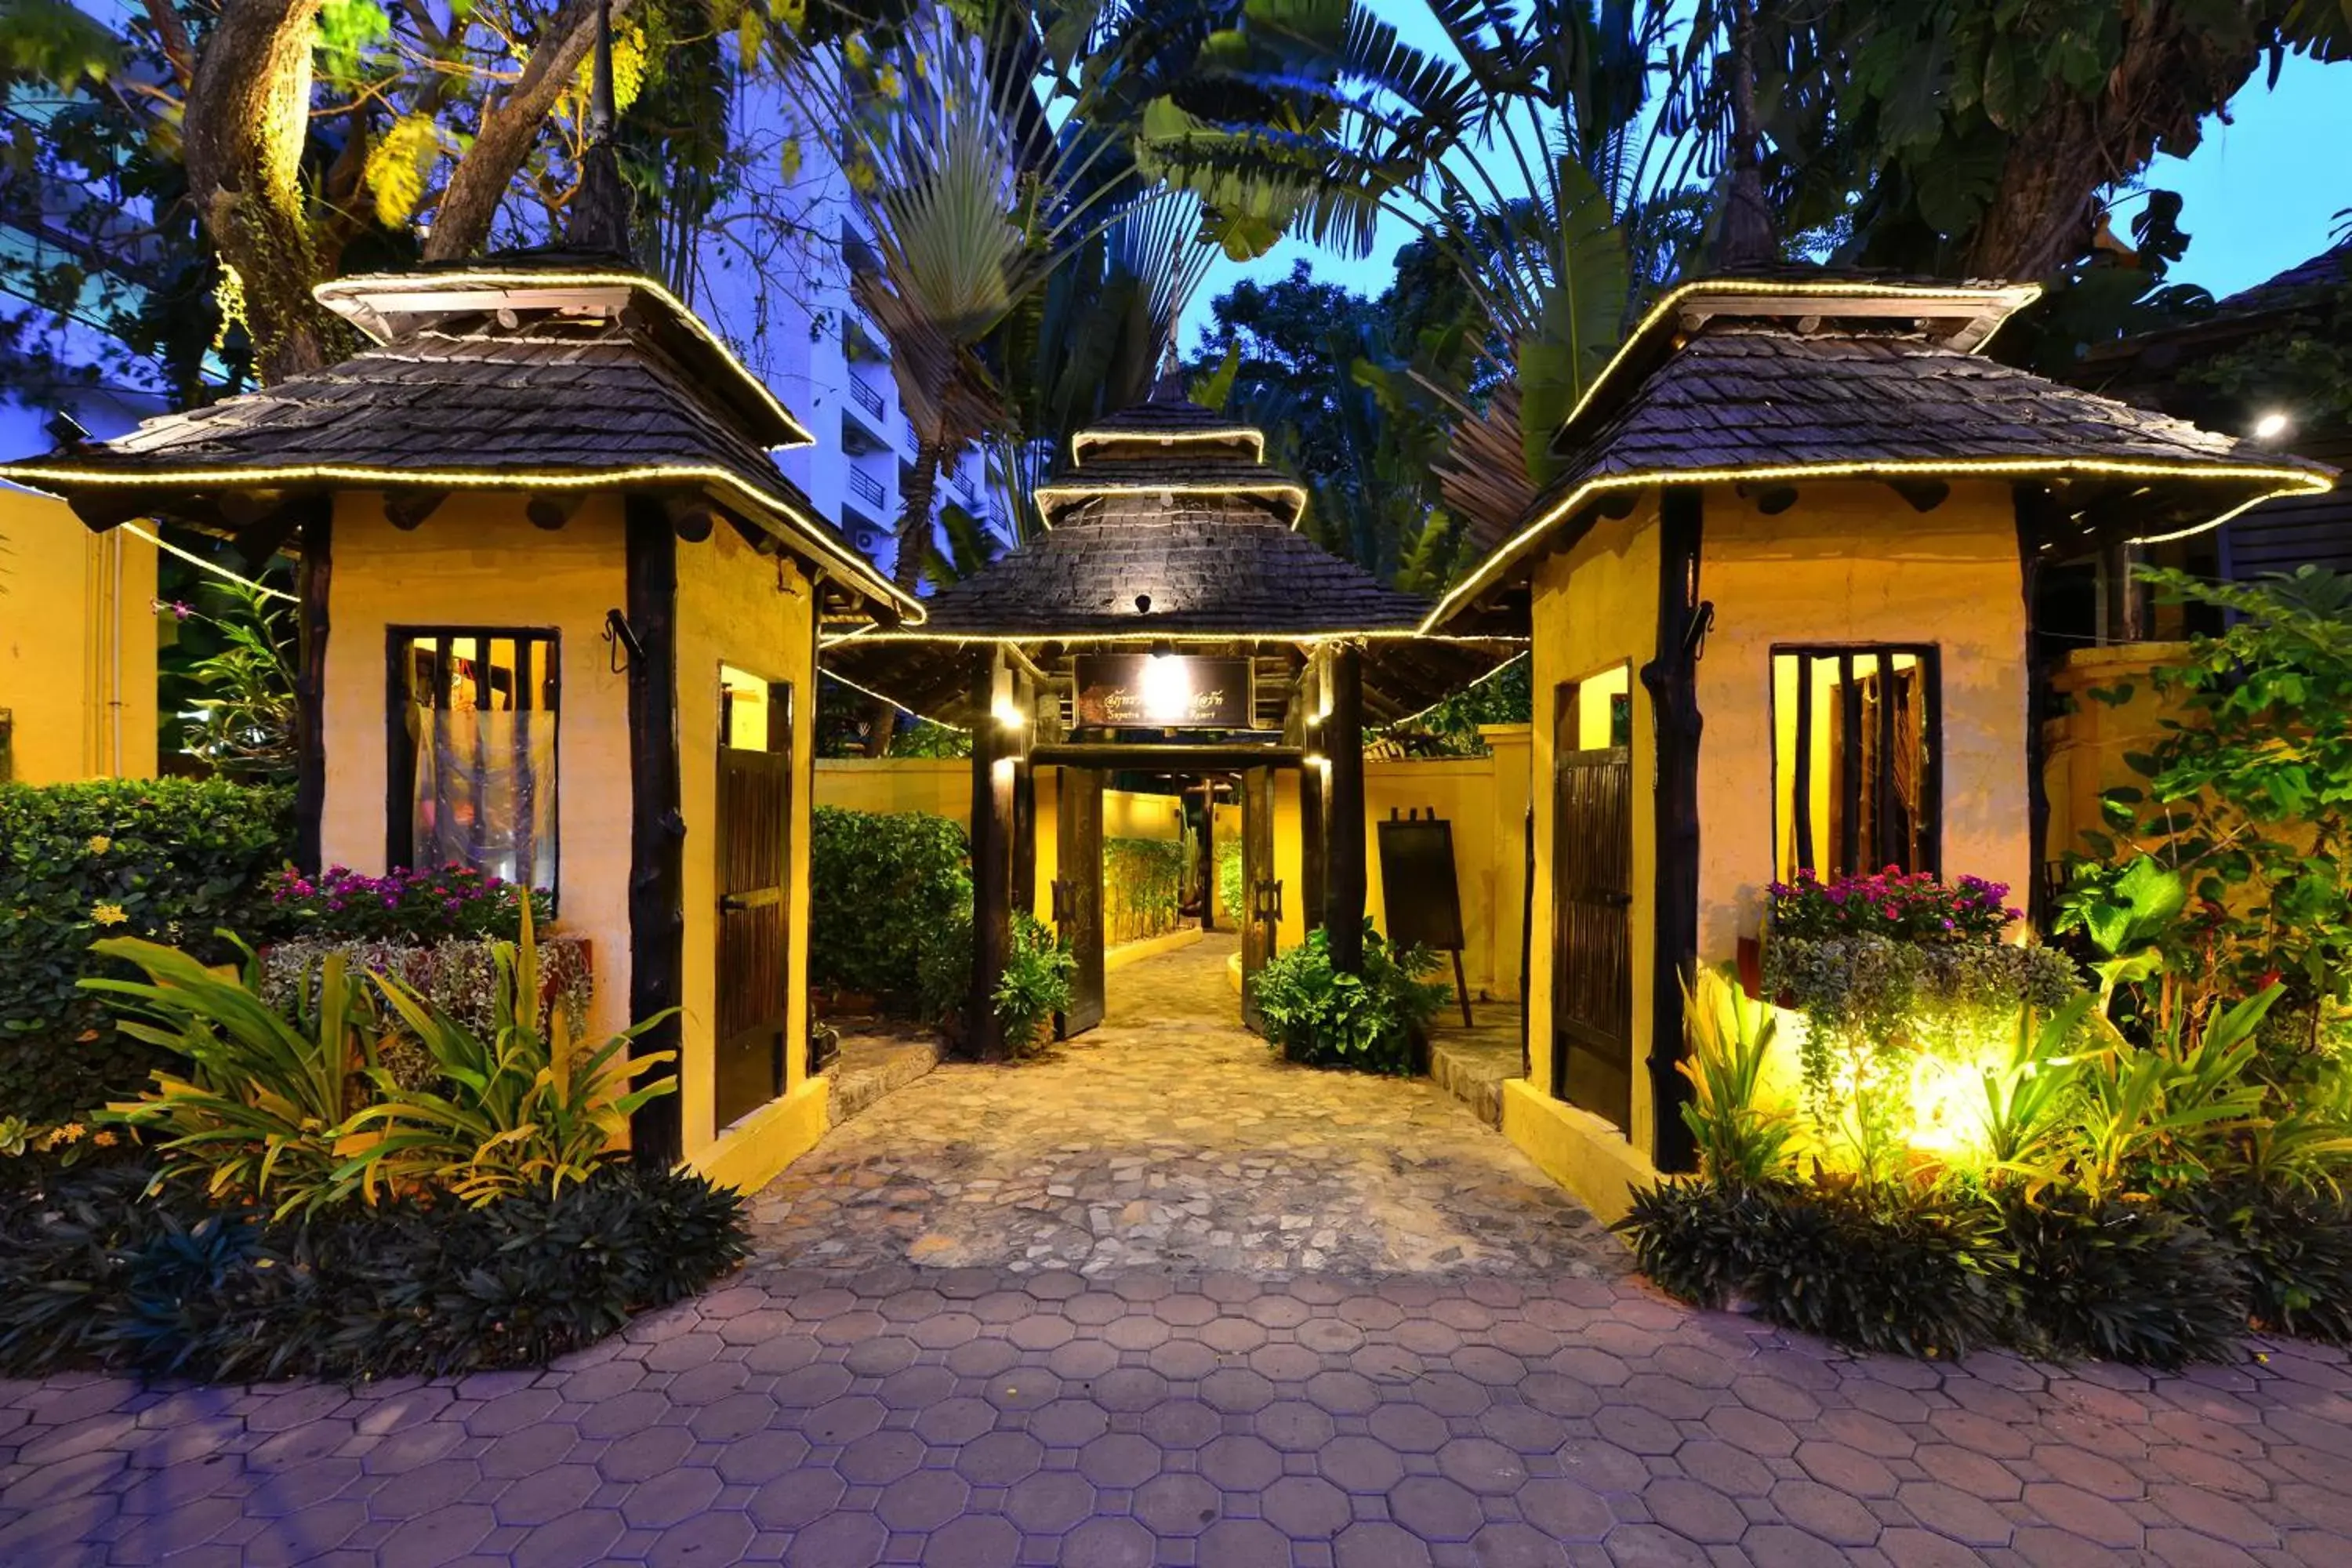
(1171, 616)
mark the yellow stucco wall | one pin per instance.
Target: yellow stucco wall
(751, 613)
(1484, 799)
(940, 785)
(477, 562)
(2086, 739)
(76, 645)
(1849, 563)
(1853, 562)
(1594, 609)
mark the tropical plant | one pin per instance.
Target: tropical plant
(238, 719)
(2030, 1115)
(2150, 1115)
(2247, 799)
(1742, 1139)
(262, 1110)
(522, 1106)
(1034, 985)
(2121, 1279)
(1321, 1016)
(893, 883)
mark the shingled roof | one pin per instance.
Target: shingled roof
(524, 378)
(1791, 381)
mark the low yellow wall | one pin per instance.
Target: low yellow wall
(76, 646)
(1576, 1149)
(2086, 739)
(752, 1153)
(940, 785)
(1485, 800)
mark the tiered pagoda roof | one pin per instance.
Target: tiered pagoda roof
(1165, 524)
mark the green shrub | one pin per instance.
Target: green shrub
(2293, 1252)
(881, 887)
(1143, 882)
(172, 859)
(1034, 986)
(2123, 1280)
(1890, 1270)
(1741, 1141)
(93, 1274)
(1322, 1017)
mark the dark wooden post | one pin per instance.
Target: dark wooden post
(656, 819)
(1343, 857)
(313, 579)
(1209, 852)
(993, 764)
(1297, 730)
(1672, 681)
(1026, 697)
(2032, 510)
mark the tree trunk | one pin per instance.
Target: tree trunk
(915, 520)
(510, 125)
(2046, 207)
(247, 116)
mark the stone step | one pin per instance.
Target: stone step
(870, 1067)
(1473, 1065)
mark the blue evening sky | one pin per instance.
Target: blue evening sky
(2259, 195)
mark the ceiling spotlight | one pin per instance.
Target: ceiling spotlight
(2271, 426)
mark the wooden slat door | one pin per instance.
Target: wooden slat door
(1592, 934)
(1078, 893)
(754, 849)
(1261, 892)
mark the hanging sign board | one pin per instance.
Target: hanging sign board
(1163, 691)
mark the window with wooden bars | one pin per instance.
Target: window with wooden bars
(473, 714)
(1857, 759)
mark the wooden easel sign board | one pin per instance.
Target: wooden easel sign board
(1419, 894)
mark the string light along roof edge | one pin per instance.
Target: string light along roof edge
(1049, 496)
(39, 474)
(348, 296)
(2283, 482)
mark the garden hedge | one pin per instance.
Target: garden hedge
(169, 858)
(881, 886)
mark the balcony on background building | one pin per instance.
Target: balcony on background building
(865, 488)
(865, 420)
(865, 397)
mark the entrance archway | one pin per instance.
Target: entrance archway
(1169, 617)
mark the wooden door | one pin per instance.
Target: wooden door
(1078, 893)
(1261, 891)
(754, 849)
(1593, 933)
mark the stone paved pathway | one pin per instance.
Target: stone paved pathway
(1464, 1412)
(1168, 1139)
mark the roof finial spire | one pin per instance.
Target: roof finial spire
(1169, 386)
(600, 207)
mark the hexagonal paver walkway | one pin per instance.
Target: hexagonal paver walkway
(1466, 1412)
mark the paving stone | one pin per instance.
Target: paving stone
(1464, 1374)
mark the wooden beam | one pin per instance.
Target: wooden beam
(313, 581)
(1114, 756)
(551, 510)
(101, 510)
(656, 821)
(1671, 678)
(1923, 495)
(405, 510)
(1343, 857)
(257, 541)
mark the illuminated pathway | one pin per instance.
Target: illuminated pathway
(1476, 1384)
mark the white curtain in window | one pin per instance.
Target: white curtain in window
(485, 791)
